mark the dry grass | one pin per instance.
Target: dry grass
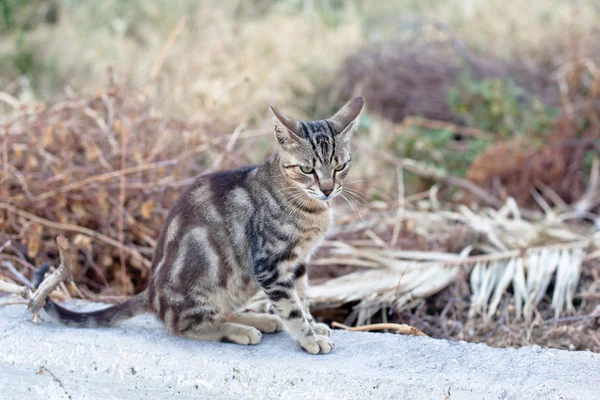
(63, 169)
(224, 62)
(542, 33)
(234, 57)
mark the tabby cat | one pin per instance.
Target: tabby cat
(234, 233)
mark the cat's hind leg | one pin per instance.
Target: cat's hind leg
(223, 332)
(266, 323)
(206, 324)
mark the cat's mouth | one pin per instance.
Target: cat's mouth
(318, 195)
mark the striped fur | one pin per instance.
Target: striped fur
(234, 233)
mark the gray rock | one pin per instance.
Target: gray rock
(140, 360)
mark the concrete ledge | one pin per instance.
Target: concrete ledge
(139, 360)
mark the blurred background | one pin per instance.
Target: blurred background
(473, 198)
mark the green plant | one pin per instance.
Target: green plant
(24, 15)
(499, 106)
(439, 147)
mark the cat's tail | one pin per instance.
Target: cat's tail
(106, 317)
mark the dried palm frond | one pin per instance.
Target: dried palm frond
(530, 275)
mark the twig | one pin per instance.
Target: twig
(433, 173)
(121, 227)
(401, 206)
(229, 147)
(63, 273)
(10, 100)
(8, 287)
(43, 368)
(76, 228)
(594, 314)
(13, 302)
(165, 49)
(373, 236)
(591, 197)
(103, 178)
(17, 260)
(422, 170)
(552, 195)
(8, 265)
(4, 134)
(5, 245)
(401, 329)
(441, 125)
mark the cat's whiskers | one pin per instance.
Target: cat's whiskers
(355, 190)
(296, 206)
(353, 205)
(356, 198)
(358, 194)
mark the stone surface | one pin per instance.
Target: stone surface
(140, 360)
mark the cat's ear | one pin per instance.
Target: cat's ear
(345, 121)
(286, 129)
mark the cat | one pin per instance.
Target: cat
(234, 233)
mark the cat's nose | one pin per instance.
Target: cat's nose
(326, 192)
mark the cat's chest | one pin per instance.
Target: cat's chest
(315, 230)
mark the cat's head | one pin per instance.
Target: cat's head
(315, 155)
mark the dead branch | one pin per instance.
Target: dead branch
(165, 49)
(121, 221)
(401, 329)
(591, 198)
(5, 245)
(448, 126)
(75, 228)
(103, 178)
(8, 287)
(428, 172)
(63, 273)
(11, 302)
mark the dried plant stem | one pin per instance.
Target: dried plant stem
(13, 302)
(439, 125)
(165, 49)
(76, 228)
(18, 275)
(468, 262)
(591, 197)
(431, 173)
(8, 287)
(63, 273)
(4, 135)
(17, 260)
(43, 368)
(5, 245)
(10, 100)
(229, 147)
(401, 329)
(401, 207)
(103, 177)
(121, 225)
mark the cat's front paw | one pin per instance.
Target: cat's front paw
(321, 329)
(316, 344)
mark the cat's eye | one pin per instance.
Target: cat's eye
(340, 167)
(307, 170)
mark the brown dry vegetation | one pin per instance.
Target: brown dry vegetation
(99, 154)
